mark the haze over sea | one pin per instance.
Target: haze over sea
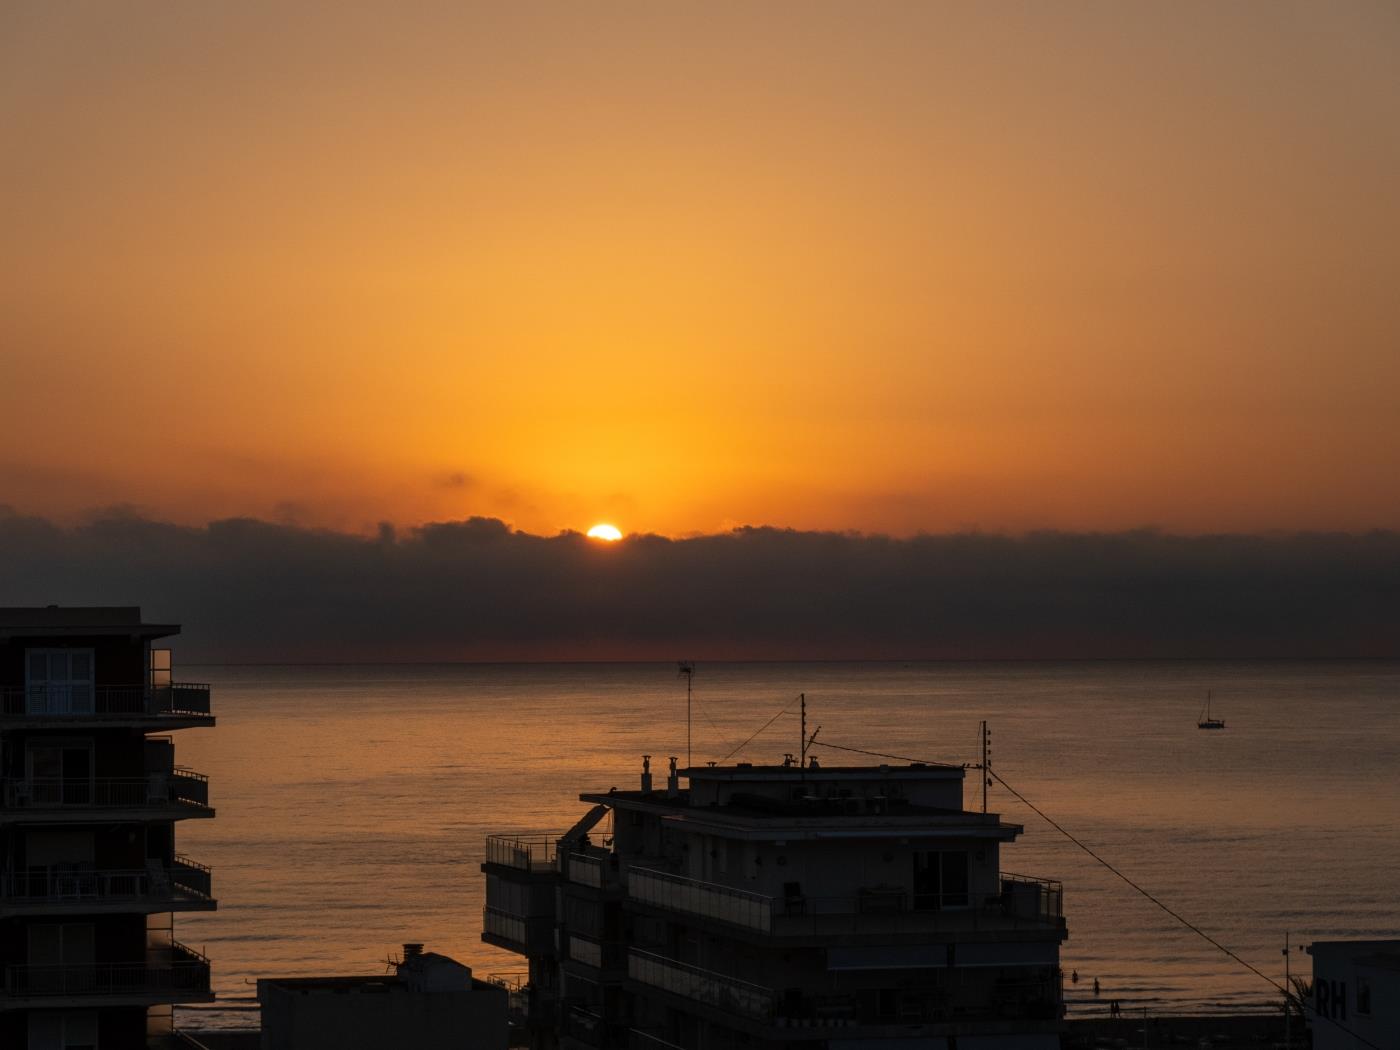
(353, 801)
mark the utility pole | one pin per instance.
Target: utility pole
(1287, 996)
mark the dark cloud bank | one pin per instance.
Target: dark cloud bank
(251, 590)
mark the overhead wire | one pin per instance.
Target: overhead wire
(750, 740)
(1287, 993)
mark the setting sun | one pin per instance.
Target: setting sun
(610, 533)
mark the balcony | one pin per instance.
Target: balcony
(184, 978)
(528, 935)
(717, 990)
(180, 702)
(180, 793)
(531, 853)
(183, 886)
(1023, 903)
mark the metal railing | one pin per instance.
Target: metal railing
(705, 986)
(585, 1025)
(187, 972)
(707, 899)
(63, 884)
(155, 789)
(525, 852)
(1033, 897)
(192, 876)
(1021, 901)
(86, 701)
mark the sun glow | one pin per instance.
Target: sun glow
(608, 533)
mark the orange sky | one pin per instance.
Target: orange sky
(686, 266)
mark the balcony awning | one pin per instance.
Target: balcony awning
(583, 827)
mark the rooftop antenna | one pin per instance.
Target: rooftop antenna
(986, 766)
(802, 740)
(686, 668)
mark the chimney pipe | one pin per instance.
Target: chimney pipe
(412, 949)
(646, 774)
(673, 780)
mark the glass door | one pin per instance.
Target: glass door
(941, 879)
(59, 682)
(60, 774)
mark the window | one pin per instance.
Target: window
(59, 773)
(940, 879)
(69, 1030)
(58, 682)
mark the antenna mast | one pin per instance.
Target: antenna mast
(802, 738)
(986, 766)
(687, 670)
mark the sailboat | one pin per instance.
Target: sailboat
(1205, 721)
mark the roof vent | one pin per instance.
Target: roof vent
(412, 949)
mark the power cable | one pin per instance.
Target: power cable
(1288, 994)
(750, 740)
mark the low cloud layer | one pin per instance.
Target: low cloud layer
(476, 590)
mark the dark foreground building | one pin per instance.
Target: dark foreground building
(431, 1002)
(89, 798)
(848, 908)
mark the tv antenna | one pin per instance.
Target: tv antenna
(686, 669)
(986, 764)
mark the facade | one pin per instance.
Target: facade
(90, 796)
(1355, 1000)
(779, 906)
(431, 1001)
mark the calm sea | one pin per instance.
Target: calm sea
(353, 801)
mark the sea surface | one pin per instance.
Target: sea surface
(353, 801)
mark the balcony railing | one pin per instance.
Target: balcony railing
(503, 924)
(86, 701)
(707, 899)
(525, 852)
(1033, 898)
(181, 786)
(1023, 901)
(187, 973)
(584, 1025)
(66, 884)
(192, 876)
(590, 870)
(705, 986)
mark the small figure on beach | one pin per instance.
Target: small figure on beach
(1074, 976)
(1114, 1010)
(1096, 986)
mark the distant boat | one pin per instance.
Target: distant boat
(1206, 722)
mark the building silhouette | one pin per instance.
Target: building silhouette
(90, 795)
(780, 906)
(431, 1000)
